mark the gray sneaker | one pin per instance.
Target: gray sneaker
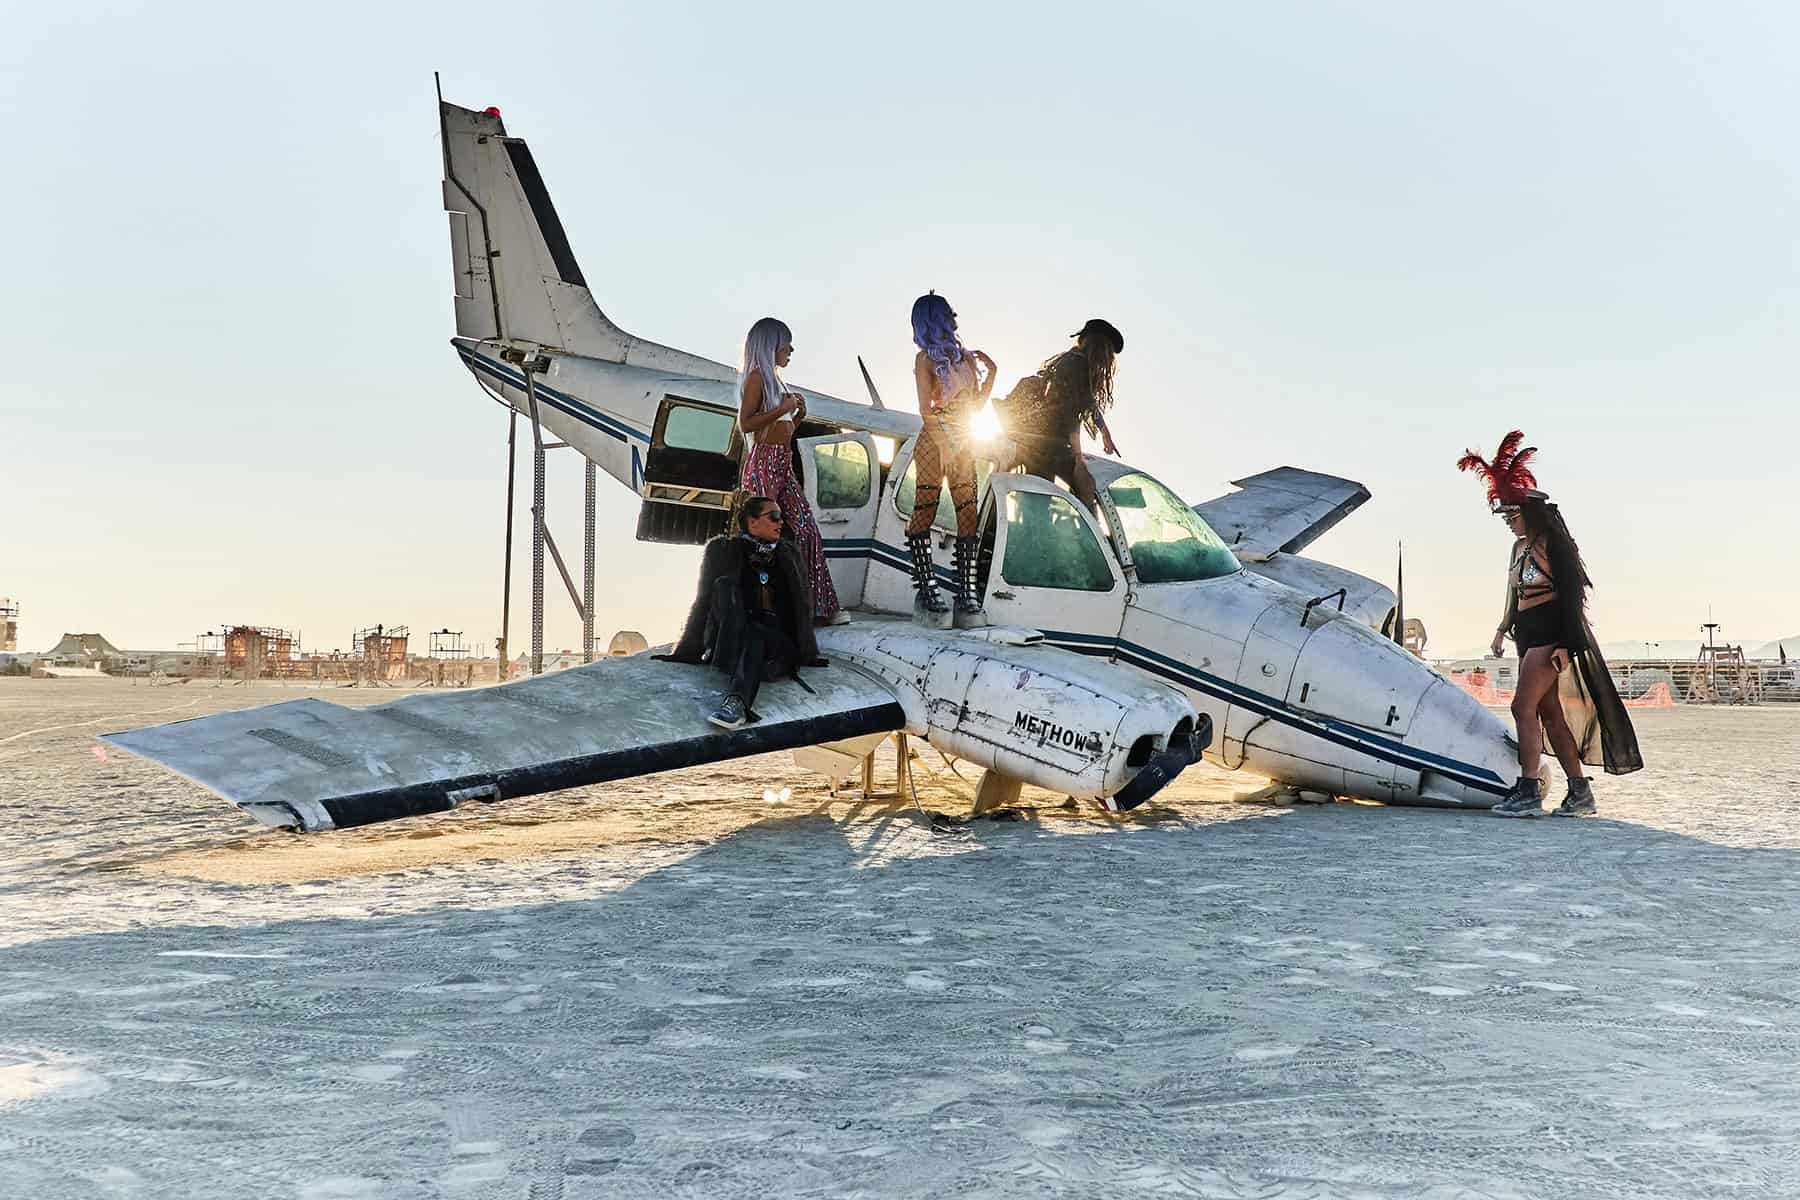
(1579, 802)
(730, 715)
(1522, 801)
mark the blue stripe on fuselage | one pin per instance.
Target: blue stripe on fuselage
(1161, 665)
(561, 401)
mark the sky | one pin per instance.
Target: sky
(1350, 237)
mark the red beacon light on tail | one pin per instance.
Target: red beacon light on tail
(491, 111)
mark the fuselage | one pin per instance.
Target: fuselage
(1297, 692)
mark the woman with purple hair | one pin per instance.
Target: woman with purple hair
(953, 383)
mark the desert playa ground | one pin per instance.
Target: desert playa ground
(695, 985)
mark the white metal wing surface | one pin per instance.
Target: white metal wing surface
(312, 765)
(1281, 511)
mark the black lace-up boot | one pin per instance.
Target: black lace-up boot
(1579, 802)
(928, 606)
(968, 594)
(1523, 801)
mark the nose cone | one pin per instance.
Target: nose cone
(1470, 752)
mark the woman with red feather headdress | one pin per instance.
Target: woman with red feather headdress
(1559, 663)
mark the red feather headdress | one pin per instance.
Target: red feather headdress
(1509, 480)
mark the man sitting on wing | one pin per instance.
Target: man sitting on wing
(752, 614)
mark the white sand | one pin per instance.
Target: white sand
(674, 987)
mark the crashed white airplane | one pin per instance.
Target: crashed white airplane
(1118, 649)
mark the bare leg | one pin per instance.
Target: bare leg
(1083, 487)
(1562, 738)
(1535, 679)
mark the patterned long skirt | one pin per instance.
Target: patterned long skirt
(769, 471)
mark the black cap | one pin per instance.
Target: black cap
(1097, 327)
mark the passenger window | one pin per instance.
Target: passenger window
(946, 509)
(845, 477)
(689, 427)
(1049, 545)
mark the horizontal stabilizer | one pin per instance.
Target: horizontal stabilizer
(1281, 511)
(310, 765)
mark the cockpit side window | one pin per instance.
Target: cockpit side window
(1169, 542)
(1048, 545)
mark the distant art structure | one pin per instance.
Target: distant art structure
(383, 652)
(626, 642)
(1723, 674)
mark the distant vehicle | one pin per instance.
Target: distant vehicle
(1119, 648)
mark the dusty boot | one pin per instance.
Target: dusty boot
(968, 598)
(1522, 801)
(928, 607)
(1579, 802)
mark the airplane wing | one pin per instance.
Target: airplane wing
(1281, 511)
(312, 765)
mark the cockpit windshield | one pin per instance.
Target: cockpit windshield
(1169, 542)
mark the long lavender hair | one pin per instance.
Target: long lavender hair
(934, 332)
(765, 337)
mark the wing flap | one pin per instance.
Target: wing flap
(1281, 511)
(313, 765)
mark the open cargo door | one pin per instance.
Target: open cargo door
(690, 474)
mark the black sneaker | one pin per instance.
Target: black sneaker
(1579, 802)
(730, 715)
(1522, 801)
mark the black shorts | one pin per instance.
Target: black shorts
(1047, 458)
(1540, 626)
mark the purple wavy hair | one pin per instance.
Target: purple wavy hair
(934, 332)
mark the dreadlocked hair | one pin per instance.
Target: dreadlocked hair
(1101, 364)
(1100, 367)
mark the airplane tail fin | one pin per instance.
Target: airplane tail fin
(517, 280)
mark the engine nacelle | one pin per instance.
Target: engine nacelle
(1080, 726)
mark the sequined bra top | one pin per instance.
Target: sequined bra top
(1532, 581)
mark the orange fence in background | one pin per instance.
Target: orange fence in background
(1658, 696)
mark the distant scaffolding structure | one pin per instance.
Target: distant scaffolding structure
(447, 644)
(254, 651)
(449, 663)
(9, 623)
(1723, 675)
(383, 651)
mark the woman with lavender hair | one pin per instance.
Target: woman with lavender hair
(953, 383)
(768, 415)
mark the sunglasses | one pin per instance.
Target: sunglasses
(774, 514)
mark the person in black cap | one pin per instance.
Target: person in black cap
(1045, 413)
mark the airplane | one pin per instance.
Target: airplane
(1120, 645)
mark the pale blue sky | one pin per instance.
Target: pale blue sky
(1351, 237)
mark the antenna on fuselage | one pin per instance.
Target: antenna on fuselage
(1400, 593)
(874, 396)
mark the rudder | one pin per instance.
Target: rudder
(516, 278)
